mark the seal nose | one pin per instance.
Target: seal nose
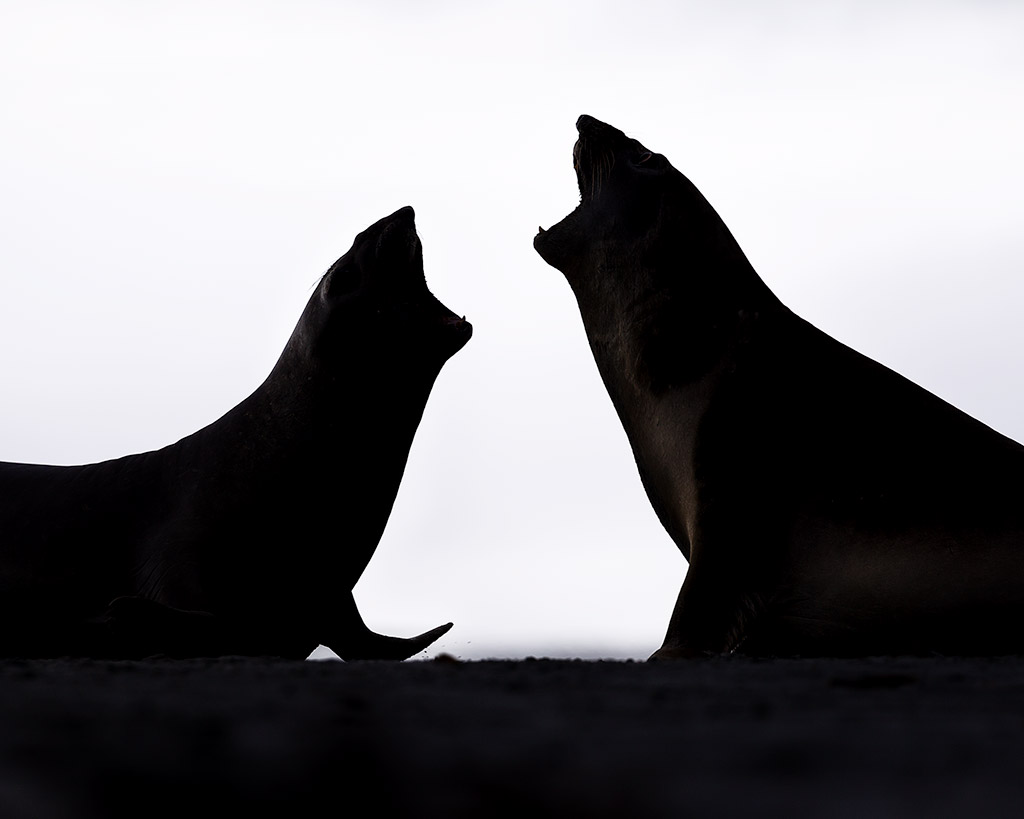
(398, 241)
(594, 129)
(402, 221)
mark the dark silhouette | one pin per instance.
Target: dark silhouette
(826, 505)
(246, 537)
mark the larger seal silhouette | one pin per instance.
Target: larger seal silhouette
(825, 504)
(247, 536)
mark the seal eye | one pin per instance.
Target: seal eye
(644, 157)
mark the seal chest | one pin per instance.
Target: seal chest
(247, 536)
(826, 504)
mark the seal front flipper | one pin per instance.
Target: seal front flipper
(372, 646)
(713, 615)
(352, 640)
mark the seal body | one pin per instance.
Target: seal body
(248, 536)
(826, 505)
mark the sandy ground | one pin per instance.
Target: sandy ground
(729, 737)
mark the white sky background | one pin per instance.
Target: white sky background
(174, 177)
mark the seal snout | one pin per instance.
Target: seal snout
(398, 235)
(402, 220)
(591, 128)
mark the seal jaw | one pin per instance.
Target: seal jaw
(554, 244)
(453, 331)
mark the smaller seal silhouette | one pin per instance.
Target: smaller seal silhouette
(826, 505)
(247, 536)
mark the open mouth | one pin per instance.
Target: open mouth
(593, 159)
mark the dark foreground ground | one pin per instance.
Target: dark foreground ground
(730, 737)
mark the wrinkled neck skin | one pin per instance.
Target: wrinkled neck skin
(667, 316)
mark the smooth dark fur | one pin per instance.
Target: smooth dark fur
(247, 536)
(826, 505)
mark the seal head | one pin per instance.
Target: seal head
(643, 231)
(376, 294)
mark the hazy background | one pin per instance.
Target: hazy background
(174, 177)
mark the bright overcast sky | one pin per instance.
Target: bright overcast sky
(174, 177)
